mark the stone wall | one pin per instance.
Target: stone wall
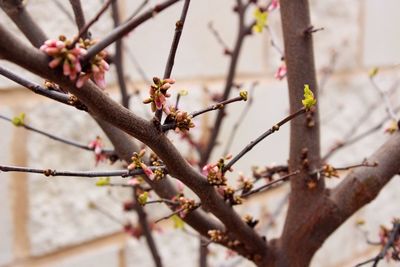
(48, 222)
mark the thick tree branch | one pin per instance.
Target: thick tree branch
(362, 185)
(304, 131)
(15, 9)
(103, 107)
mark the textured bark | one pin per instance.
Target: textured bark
(304, 140)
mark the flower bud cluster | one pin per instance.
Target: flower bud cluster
(69, 58)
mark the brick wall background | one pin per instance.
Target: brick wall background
(47, 221)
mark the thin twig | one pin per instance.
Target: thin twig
(89, 174)
(63, 10)
(56, 138)
(219, 105)
(163, 200)
(328, 71)
(84, 29)
(364, 164)
(219, 38)
(242, 33)
(194, 114)
(174, 48)
(177, 212)
(274, 43)
(262, 137)
(137, 66)
(142, 218)
(94, 206)
(37, 89)
(268, 185)
(79, 16)
(240, 119)
(125, 28)
(349, 141)
(138, 9)
(385, 98)
(393, 236)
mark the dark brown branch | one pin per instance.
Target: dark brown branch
(37, 89)
(118, 58)
(15, 9)
(79, 17)
(363, 184)
(174, 48)
(57, 138)
(90, 174)
(262, 137)
(304, 152)
(142, 218)
(163, 200)
(104, 108)
(240, 119)
(175, 42)
(234, 59)
(219, 105)
(393, 236)
(125, 28)
(176, 212)
(84, 30)
(268, 185)
(216, 106)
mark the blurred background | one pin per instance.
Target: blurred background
(50, 222)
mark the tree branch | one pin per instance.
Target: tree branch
(124, 28)
(57, 138)
(142, 218)
(103, 107)
(118, 59)
(262, 137)
(84, 30)
(15, 9)
(37, 89)
(50, 172)
(79, 16)
(174, 48)
(363, 184)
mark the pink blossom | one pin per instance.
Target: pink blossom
(147, 171)
(70, 60)
(281, 72)
(274, 5)
(97, 147)
(180, 186)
